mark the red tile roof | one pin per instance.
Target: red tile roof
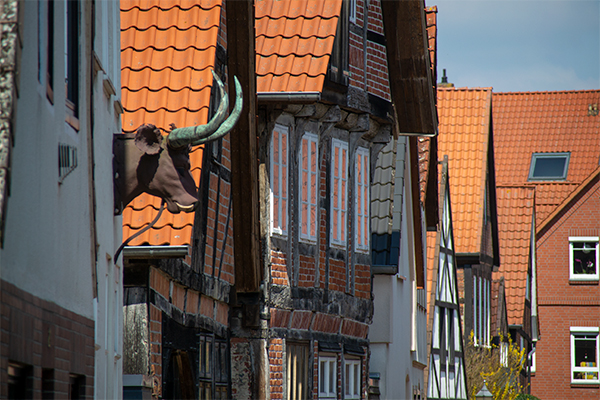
(294, 40)
(464, 134)
(424, 142)
(515, 206)
(167, 53)
(537, 122)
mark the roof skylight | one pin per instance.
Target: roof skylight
(549, 166)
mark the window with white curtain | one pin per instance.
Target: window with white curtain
(362, 199)
(308, 190)
(339, 191)
(279, 180)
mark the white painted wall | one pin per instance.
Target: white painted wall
(398, 334)
(49, 248)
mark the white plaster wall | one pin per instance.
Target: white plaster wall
(49, 245)
(47, 250)
(109, 304)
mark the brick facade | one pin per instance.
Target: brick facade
(563, 304)
(52, 343)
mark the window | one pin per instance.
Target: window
(214, 368)
(362, 199)
(76, 387)
(47, 384)
(308, 179)
(279, 179)
(339, 70)
(549, 166)
(584, 355)
(50, 52)
(297, 372)
(72, 62)
(20, 381)
(339, 191)
(327, 377)
(442, 333)
(352, 378)
(584, 256)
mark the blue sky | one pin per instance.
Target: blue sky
(521, 45)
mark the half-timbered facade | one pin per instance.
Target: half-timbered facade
(446, 369)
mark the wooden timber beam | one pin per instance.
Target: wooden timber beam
(244, 148)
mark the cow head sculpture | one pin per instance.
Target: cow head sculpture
(147, 162)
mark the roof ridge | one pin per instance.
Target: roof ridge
(549, 92)
(465, 89)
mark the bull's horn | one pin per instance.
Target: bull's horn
(181, 137)
(230, 121)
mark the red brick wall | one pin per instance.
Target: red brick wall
(362, 279)
(215, 247)
(43, 335)
(279, 272)
(562, 304)
(306, 276)
(276, 368)
(156, 350)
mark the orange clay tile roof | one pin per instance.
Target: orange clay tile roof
(515, 206)
(431, 15)
(536, 122)
(464, 131)
(167, 53)
(424, 142)
(294, 39)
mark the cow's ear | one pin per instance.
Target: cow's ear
(148, 139)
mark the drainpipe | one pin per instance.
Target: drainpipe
(288, 97)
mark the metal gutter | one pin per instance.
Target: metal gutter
(288, 97)
(155, 251)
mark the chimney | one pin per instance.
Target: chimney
(444, 83)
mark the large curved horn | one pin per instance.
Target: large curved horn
(181, 137)
(230, 121)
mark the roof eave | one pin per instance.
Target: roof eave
(409, 63)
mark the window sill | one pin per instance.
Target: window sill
(584, 281)
(590, 385)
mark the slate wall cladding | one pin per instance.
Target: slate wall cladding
(563, 304)
(43, 335)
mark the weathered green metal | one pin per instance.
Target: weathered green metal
(230, 121)
(181, 137)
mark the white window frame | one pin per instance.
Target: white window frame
(352, 4)
(326, 364)
(310, 175)
(362, 187)
(586, 371)
(279, 227)
(475, 310)
(352, 378)
(339, 185)
(583, 277)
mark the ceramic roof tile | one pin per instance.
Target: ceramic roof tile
(464, 117)
(167, 53)
(534, 122)
(294, 40)
(515, 205)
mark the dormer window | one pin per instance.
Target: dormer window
(549, 166)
